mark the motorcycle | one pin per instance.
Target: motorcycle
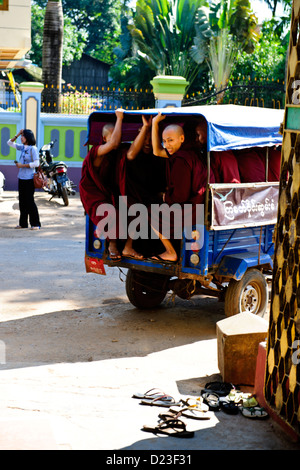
(2, 182)
(58, 182)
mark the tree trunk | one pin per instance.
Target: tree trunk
(52, 55)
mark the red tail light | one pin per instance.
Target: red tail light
(60, 169)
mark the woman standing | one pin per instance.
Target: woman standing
(28, 160)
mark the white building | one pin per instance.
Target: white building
(15, 32)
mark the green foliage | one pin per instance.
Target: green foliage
(129, 69)
(94, 25)
(162, 33)
(223, 31)
(268, 59)
(74, 39)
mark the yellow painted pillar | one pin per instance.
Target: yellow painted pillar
(31, 106)
(282, 378)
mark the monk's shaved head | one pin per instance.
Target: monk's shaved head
(107, 131)
(174, 128)
(173, 138)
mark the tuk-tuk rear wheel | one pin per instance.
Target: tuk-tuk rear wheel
(146, 290)
(250, 294)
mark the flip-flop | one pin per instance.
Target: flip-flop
(255, 413)
(138, 258)
(164, 400)
(211, 399)
(238, 397)
(171, 427)
(186, 412)
(229, 407)
(114, 255)
(250, 402)
(150, 394)
(220, 388)
(158, 259)
(195, 403)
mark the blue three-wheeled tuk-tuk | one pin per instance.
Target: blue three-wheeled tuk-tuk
(230, 255)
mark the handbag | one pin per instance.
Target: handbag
(39, 178)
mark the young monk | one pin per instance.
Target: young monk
(224, 164)
(145, 176)
(251, 167)
(98, 181)
(186, 174)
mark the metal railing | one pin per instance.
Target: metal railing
(261, 93)
(84, 100)
(10, 100)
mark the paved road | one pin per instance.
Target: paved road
(74, 350)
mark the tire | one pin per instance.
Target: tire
(64, 195)
(146, 290)
(250, 294)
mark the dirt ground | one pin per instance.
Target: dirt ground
(73, 349)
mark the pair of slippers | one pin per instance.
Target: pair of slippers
(156, 397)
(225, 396)
(212, 393)
(189, 407)
(169, 422)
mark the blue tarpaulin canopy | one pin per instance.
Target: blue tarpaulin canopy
(229, 126)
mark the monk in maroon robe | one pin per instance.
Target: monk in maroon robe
(274, 161)
(224, 165)
(186, 174)
(98, 184)
(144, 176)
(251, 167)
(274, 164)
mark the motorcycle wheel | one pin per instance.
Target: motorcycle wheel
(64, 195)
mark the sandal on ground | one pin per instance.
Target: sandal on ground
(171, 427)
(18, 227)
(237, 396)
(211, 399)
(150, 394)
(188, 412)
(195, 404)
(163, 400)
(35, 228)
(250, 402)
(255, 413)
(220, 388)
(229, 407)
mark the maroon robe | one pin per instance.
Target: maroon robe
(251, 167)
(186, 177)
(274, 164)
(100, 185)
(225, 167)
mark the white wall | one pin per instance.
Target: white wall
(15, 30)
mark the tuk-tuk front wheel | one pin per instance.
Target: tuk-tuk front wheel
(146, 290)
(250, 294)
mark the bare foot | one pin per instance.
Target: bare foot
(114, 253)
(166, 256)
(129, 251)
(131, 254)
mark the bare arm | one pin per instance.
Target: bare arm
(158, 149)
(114, 141)
(138, 142)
